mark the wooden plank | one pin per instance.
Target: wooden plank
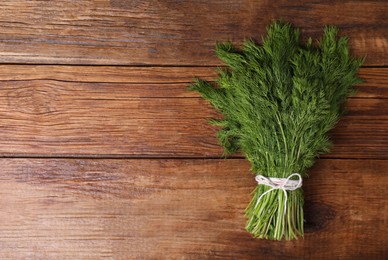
(173, 32)
(113, 74)
(120, 209)
(375, 84)
(53, 117)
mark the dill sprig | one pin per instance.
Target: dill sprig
(279, 100)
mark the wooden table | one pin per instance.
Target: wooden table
(106, 155)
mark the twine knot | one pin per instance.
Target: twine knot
(283, 184)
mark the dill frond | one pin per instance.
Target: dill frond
(279, 100)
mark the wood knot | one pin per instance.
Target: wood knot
(35, 100)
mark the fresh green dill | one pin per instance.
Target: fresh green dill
(279, 100)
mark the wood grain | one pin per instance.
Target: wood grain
(375, 84)
(172, 32)
(115, 74)
(191, 209)
(67, 111)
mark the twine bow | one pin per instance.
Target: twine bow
(283, 184)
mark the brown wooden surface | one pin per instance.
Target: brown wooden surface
(91, 209)
(171, 32)
(107, 155)
(58, 110)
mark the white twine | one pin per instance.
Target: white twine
(283, 184)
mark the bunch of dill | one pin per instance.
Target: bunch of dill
(278, 101)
